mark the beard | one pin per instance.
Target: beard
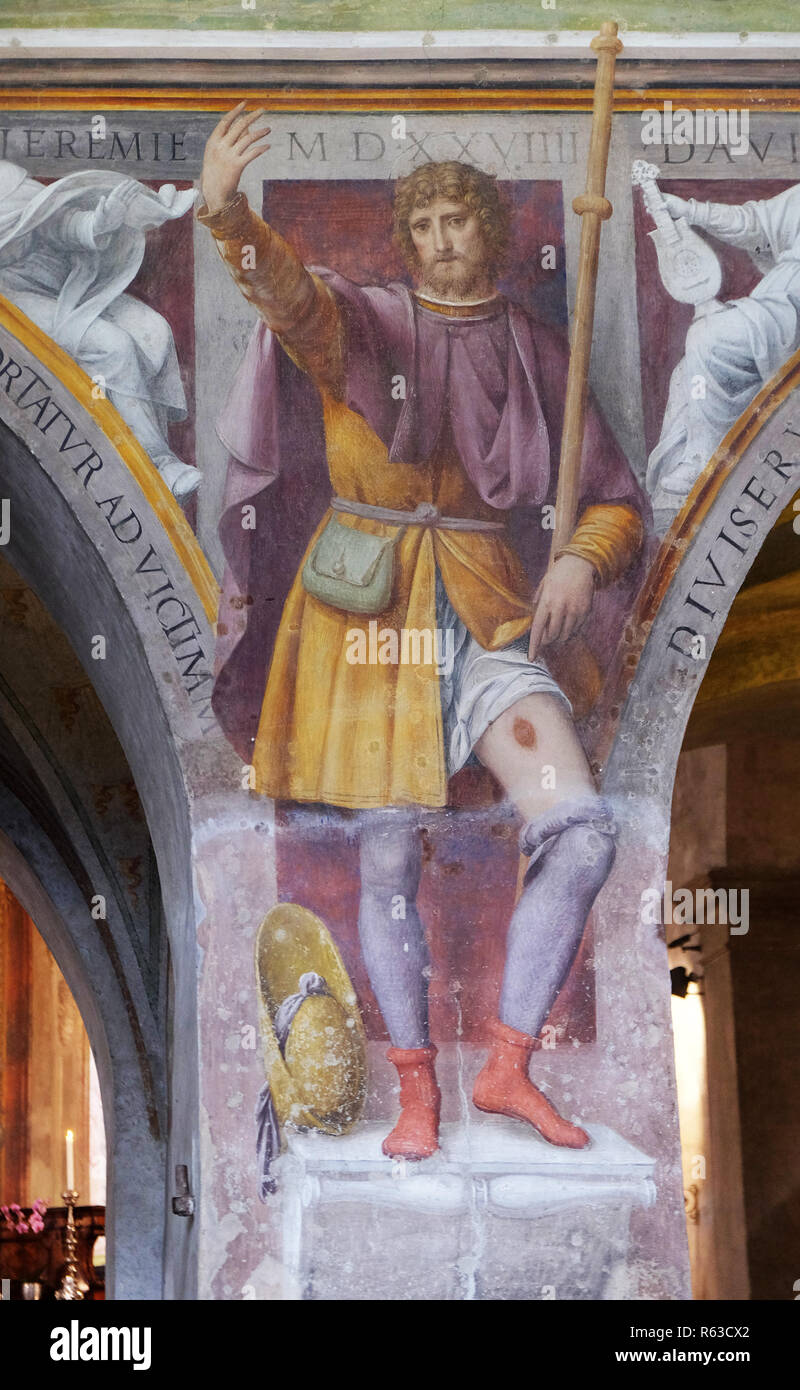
(454, 278)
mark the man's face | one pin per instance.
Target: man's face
(452, 254)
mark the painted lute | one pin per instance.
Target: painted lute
(689, 267)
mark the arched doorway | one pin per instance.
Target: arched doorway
(95, 819)
(76, 855)
(714, 647)
(49, 1099)
(734, 834)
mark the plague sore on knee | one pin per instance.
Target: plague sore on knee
(524, 733)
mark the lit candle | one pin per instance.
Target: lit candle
(70, 1140)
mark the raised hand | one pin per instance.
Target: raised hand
(231, 146)
(112, 211)
(563, 602)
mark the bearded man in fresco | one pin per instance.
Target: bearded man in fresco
(438, 470)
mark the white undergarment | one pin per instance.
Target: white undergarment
(483, 684)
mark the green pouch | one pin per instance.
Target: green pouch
(352, 570)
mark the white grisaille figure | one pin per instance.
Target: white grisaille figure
(68, 252)
(732, 347)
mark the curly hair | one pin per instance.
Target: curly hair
(459, 183)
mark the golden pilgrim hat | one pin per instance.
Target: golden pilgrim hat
(312, 1035)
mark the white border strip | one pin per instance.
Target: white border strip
(407, 44)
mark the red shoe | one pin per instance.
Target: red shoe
(503, 1087)
(416, 1134)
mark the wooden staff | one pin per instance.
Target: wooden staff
(594, 207)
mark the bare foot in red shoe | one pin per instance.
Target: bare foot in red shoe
(523, 1101)
(416, 1134)
(413, 1137)
(503, 1087)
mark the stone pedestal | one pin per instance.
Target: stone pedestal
(497, 1214)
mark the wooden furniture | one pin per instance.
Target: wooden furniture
(41, 1258)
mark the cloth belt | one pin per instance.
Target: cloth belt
(426, 514)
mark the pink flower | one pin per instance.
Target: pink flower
(14, 1217)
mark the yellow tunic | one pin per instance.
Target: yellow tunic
(366, 735)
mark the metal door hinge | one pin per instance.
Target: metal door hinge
(183, 1201)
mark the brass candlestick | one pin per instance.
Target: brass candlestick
(71, 1287)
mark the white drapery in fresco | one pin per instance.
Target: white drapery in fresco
(69, 275)
(731, 349)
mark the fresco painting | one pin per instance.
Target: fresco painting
(343, 337)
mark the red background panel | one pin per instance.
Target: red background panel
(470, 860)
(166, 282)
(471, 856)
(347, 225)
